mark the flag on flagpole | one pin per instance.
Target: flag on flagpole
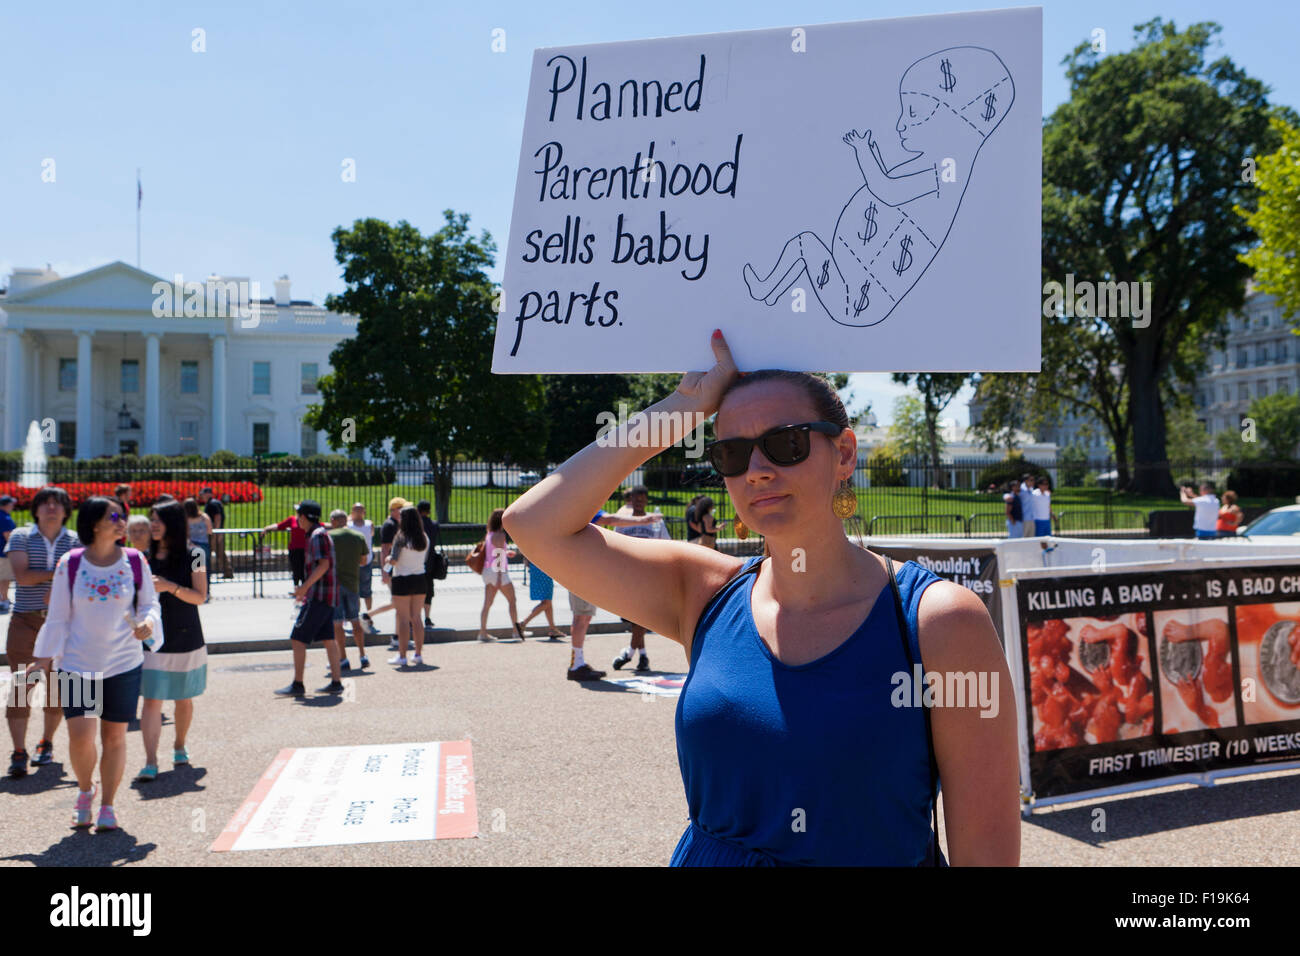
(139, 190)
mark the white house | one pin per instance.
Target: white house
(116, 361)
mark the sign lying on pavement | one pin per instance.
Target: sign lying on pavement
(377, 793)
(660, 685)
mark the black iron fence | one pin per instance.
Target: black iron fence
(900, 496)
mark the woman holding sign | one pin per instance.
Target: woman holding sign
(795, 743)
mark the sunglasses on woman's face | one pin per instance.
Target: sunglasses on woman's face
(784, 446)
(116, 516)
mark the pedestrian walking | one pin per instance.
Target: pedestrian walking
(496, 575)
(387, 532)
(777, 714)
(708, 525)
(407, 572)
(200, 531)
(103, 607)
(216, 512)
(366, 528)
(637, 499)
(350, 553)
(1229, 516)
(430, 532)
(1014, 510)
(318, 595)
(34, 552)
(542, 590)
(7, 527)
(1042, 499)
(1205, 520)
(177, 671)
(1026, 495)
(138, 533)
(297, 544)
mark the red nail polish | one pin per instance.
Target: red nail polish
(717, 333)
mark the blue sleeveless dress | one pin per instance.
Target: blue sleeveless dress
(803, 765)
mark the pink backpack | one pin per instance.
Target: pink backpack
(133, 557)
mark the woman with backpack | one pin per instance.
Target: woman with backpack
(179, 671)
(103, 608)
(409, 577)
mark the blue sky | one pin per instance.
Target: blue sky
(241, 146)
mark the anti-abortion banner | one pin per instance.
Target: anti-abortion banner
(973, 568)
(378, 793)
(1148, 675)
(850, 196)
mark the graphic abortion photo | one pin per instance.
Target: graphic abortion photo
(1268, 639)
(1195, 663)
(1090, 680)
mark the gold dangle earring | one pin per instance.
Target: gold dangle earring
(741, 531)
(844, 502)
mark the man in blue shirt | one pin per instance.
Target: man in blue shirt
(7, 525)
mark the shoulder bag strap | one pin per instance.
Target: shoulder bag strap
(903, 632)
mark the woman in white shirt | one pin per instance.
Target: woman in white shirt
(410, 546)
(94, 630)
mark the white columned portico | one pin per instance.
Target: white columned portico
(85, 408)
(152, 395)
(218, 393)
(15, 365)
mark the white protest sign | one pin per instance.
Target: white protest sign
(846, 197)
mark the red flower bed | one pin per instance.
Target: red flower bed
(143, 493)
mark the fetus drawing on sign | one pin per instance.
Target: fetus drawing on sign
(894, 225)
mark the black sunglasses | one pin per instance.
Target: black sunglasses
(787, 445)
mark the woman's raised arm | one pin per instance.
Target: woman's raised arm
(652, 582)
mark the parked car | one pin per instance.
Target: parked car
(528, 478)
(1281, 522)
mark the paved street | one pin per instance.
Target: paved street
(565, 774)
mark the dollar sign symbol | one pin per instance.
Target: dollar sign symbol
(904, 256)
(826, 274)
(869, 229)
(863, 301)
(949, 82)
(988, 106)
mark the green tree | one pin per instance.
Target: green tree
(1270, 431)
(1141, 172)
(1276, 260)
(1188, 441)
(1073, 462)
(418, 370)
(907, 431)
(573, 404)
(937, 390)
